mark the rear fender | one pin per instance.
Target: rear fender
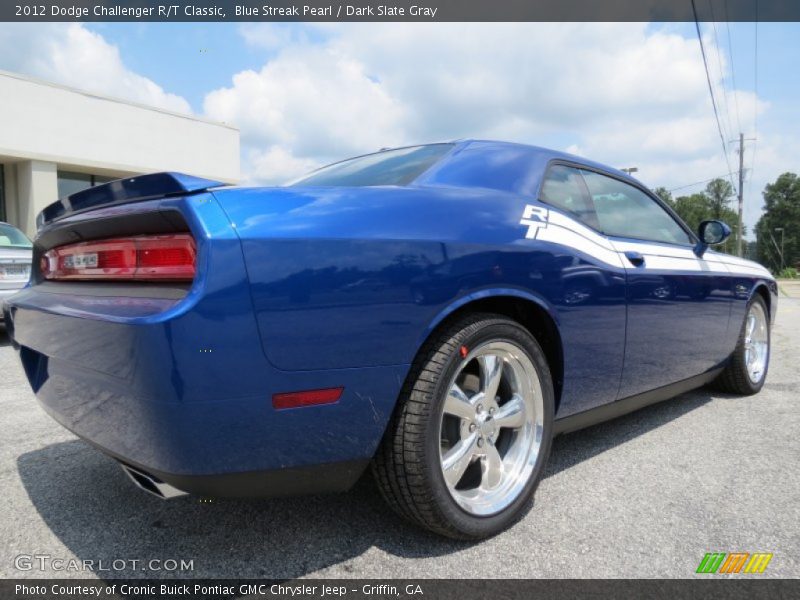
(483, 295)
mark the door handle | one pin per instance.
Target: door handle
(636, 259)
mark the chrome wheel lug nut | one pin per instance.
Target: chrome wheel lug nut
(472, 427)
(480, 442)
(479, 408)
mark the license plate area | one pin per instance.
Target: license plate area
(81, 261)
(14, 272)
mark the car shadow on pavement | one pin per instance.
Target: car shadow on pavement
(573, 448)
(94, 510)
(4, 339)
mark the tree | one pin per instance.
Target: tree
(781, 210)
(693, 209)
(719, 194)
(665, 195)
(713, 203)
(751, 250)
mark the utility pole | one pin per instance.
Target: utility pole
(783, 262)
(741, 195)
(740, 228)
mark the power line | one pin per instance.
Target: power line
(733, 67)
(718, 57)
(688, 185)
(755, 104)
(711, 92)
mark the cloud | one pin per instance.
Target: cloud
(610, 87)
(358, 87)
(275, 36)
(275, 164)
(72, 55)
(626, 94)
(314, 102)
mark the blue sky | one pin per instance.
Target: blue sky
(301, 94)
(187, 58)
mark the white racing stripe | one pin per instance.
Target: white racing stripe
(559, 229)
(552, 226)
(663, 257)
(742, 266)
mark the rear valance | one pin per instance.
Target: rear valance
(123, 191)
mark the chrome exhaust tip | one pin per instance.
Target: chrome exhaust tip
(152, 485)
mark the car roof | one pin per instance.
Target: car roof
(548, 152)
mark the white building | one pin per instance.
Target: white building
(55, 141)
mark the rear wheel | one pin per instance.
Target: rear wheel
(469, 441)
(747, 370)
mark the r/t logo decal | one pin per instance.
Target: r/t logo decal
(534, 217)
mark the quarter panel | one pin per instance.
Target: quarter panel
(350, 278)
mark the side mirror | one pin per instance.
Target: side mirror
(710, 233)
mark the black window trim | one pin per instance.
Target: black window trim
(634, 184)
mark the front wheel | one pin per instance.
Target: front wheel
(747, 369)
(470, 439)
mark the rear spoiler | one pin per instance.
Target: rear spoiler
(124, 191)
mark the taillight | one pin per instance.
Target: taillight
(143, 258)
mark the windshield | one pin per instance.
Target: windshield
(11, 237)
(390, 167)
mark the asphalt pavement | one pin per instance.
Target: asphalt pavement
(646, 495)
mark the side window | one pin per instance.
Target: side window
(625, 211)
(563, 187)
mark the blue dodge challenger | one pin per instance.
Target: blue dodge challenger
(438, 312)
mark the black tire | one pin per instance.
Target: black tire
(735, 378)
(407, 465)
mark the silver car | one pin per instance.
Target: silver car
(16, 252)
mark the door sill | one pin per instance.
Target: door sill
(612, 410)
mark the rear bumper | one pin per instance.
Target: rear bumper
(198, 414)
(179, 386)
(315, 479)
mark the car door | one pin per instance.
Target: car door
(586, 282)
(678, 303)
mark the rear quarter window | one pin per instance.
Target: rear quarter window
(391, 167)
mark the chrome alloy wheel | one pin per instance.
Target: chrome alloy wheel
(756, 342)
(491, 427)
